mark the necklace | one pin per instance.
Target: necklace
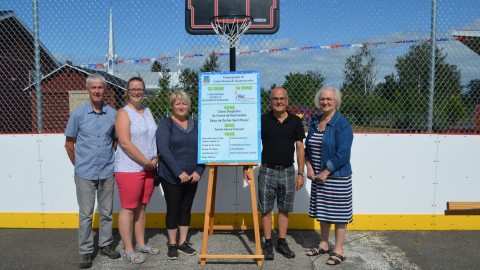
(183, 124)
(322, 124)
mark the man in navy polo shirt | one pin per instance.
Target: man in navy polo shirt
(90, 144)
(282, 135)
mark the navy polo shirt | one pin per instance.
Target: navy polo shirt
(278, 139)
(94, 134)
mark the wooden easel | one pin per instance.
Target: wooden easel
(208, 225)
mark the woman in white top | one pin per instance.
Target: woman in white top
(135, 161)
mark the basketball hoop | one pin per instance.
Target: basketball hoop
(230, 28)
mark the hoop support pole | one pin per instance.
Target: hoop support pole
(233, 59)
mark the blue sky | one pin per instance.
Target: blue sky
(78, 30)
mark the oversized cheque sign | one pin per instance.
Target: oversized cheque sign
(229, 117)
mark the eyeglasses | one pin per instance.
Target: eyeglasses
(138, 90)
(278, 98)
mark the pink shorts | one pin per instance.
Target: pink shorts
(135, 188)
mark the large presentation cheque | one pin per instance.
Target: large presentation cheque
(229, 117)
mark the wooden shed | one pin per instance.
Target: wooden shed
(65, 89)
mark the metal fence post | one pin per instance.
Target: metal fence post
(38, 71)
(432, 66)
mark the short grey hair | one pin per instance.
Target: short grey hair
(180, 95)
(96, 77)
(337, 96)
(278, 87)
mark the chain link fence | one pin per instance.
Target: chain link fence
(378, 53)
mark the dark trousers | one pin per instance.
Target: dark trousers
(179, 199)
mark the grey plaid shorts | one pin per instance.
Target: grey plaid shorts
(276, 184)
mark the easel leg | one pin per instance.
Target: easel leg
(208, 207)
(256, 226)
(212, 205)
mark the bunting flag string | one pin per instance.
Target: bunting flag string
(273, 50)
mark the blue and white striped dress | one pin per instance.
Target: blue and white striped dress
(331, 201)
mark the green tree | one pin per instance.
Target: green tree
(159, 105)
(189, 77)
(411, 110)
(159, 102)
(156, 66)
(360, 72)
(189, 82)
(388, 88)
(302, 87)
(413, 71)
(354, 108)
(471, 96)
(165, 75)
(210, 64)
(359, 82)
(449, 113)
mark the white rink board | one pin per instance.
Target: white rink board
(392, 174)
(57, 173)
(20, 174)
(458, 174)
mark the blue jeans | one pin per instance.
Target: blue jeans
(86, 202)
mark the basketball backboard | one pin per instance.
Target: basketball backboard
(265, 14)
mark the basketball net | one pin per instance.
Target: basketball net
(230, 28)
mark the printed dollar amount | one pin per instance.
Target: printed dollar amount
(215, 88)
(243, 87)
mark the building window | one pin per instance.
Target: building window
(77, 98)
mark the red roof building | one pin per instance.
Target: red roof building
(17, 70)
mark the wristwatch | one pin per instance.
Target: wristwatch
(301, 173)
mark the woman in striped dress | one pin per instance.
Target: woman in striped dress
(328, 147)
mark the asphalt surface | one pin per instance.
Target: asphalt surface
(57, 249)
